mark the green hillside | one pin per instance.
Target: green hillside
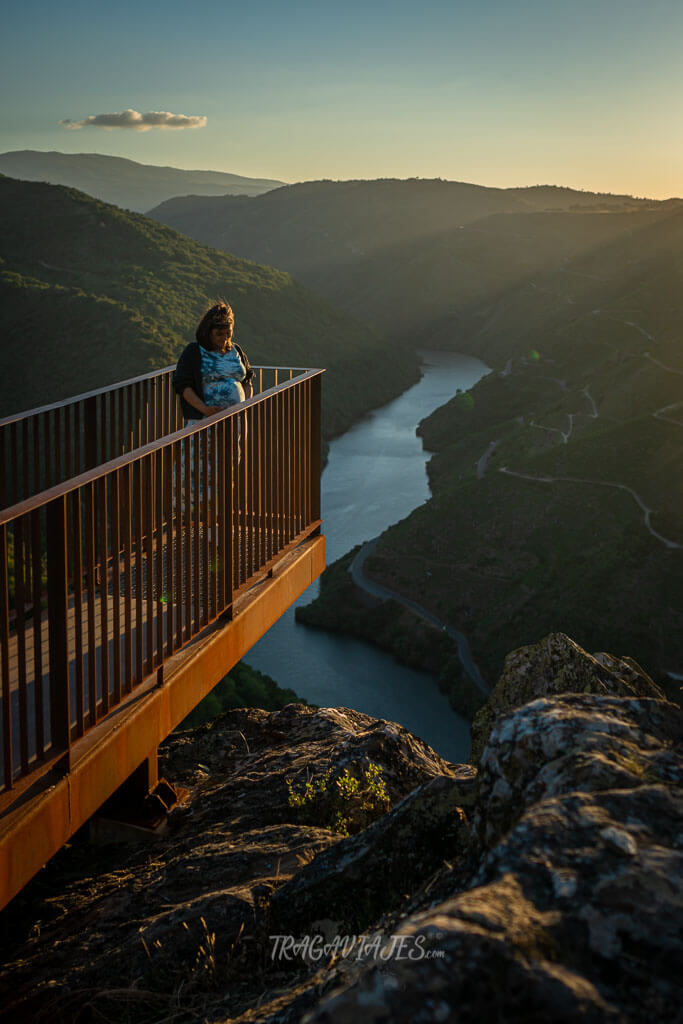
(574, 523)
(92, 294)
(409, 257)
(574, 298)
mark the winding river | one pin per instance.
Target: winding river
(375, 476)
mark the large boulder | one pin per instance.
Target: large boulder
(557, 665)
(574, 742)
(542, 885)
(165, 916)
(575, 909)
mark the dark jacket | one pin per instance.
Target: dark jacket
(188, 373)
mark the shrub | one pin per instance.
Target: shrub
(347, 805)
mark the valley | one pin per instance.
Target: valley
(556, 482)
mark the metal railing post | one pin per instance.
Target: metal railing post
(140, 553)
(316, 445)
(58, 610)
(90, 432)
(6, 688)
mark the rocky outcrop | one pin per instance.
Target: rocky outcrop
(558, 665)
(368, 874)
(542, 885)
(151, 920)
(575, 910)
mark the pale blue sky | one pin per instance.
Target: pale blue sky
(587, 94)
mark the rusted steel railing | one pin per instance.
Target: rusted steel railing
(46, 446)
(107, 574)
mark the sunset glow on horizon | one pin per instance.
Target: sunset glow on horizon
(585, 95)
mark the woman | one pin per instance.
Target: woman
(213, 372)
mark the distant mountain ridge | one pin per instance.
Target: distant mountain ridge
(368, 216)
(406, 256)
(125, 183)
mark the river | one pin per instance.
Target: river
(375, 476)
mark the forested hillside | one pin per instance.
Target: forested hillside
(558, 481)
(409, 257)
(92, 294)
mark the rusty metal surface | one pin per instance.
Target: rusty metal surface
(100, 761)
(133, 587)
(142, 554)
(142, 444)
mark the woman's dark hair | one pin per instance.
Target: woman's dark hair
(220, 315)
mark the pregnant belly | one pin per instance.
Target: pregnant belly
(224, 393)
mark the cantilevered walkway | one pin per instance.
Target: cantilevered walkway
(139, 560)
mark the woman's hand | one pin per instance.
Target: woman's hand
(193, 399)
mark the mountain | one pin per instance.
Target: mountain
(92, 294)
(557, 482)
(125, 183)
(406, 256)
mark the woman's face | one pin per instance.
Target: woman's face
(221, 338)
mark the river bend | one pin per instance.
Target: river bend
(375, 476)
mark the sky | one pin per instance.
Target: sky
(587, 93)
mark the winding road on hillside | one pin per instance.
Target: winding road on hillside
(565, 435)
(384, 594)
(594, 414)
(481, 464)
(652, 359)
(659, 414)
(599, 483)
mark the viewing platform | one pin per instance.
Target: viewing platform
(139, 561)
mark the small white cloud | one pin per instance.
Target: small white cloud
(138, 122)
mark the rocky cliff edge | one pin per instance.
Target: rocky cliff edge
(541, 883)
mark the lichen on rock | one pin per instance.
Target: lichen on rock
(541, 884)
(558, 665)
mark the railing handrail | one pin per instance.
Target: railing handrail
(40, 409)
(44, 497)
(162, 536)
(106, 574)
